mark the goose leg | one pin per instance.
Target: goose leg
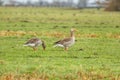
(66, 48)
(34, 48)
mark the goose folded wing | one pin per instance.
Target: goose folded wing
(32, 40)
(63, 41)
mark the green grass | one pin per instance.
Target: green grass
(95, 55)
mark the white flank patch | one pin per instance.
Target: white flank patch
(58, 45)
(31, 45)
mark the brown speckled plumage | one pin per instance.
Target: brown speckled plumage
(66, 42)
(34, 43)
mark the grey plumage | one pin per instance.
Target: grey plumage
(34, 43)
(66, 42)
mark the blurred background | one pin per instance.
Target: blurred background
(109, 5)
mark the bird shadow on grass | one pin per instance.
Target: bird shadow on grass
(61, 49)
(73, 57)
(65, 57)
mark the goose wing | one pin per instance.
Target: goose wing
(34, 40)
(63, 41)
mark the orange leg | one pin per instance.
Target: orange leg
(34, 48)
(66, 48)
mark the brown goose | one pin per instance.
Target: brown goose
(34, 43)
(66, 42)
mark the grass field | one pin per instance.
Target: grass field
(95, 55)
